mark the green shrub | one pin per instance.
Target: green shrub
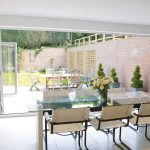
(100, 71)
(135, 81)
(113, 75)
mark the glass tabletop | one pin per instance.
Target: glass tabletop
(136, 97)
(64, 102)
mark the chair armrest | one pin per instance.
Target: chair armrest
(47, 117)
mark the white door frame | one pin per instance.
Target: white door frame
(1, 85)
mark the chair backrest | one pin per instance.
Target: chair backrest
(144, 109)
(70, 115)
(116, 90)
(49, 95)
(57, 77)
(75, 76)
(90, 73)
(86, 91)
(64, 70)
(116, 112)
(49, 70)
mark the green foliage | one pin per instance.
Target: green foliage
(77, 35)
(114, 75)
(135, 81)
(19, 58)
(37, 51)
(100, 71)
(34, 39)
(37, 39)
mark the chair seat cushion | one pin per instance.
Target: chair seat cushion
(62, 128)
(107, 124)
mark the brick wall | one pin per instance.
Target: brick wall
(124, 55)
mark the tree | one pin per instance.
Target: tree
(34, 39)
(113, 75)
(78, 35)
(100, 71)
(20, 57)
(135, 81)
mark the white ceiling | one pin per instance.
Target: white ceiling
(116, 11)
(113, 16)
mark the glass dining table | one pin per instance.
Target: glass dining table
(91, 101)
(62, 102)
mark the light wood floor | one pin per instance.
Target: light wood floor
(20, 134)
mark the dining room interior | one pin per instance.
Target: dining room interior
(80, 79)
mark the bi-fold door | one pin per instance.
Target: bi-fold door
(8, 70)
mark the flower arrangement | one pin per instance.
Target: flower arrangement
(102, 86)
(101, 83)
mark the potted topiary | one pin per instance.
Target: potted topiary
(115, 81)
(136, 83)
(100, 71)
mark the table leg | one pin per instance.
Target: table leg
(39, 132)
(47, 83)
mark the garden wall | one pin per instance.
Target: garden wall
(124, 55)
(47, 58)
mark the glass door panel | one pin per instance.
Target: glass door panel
(9, 67)
(8, 70)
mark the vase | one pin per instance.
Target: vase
(103, 97)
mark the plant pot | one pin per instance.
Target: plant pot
(115, 85)
(136, 89)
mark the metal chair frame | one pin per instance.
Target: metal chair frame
(34, 81)
(146, 125)
(122, 118)
(143, 112)
(80, 133)
(114, 129)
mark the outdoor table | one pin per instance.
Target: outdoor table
(54, 75)
(61, 102)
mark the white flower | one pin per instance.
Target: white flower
(101, 83)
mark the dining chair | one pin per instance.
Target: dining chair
(57, 80)
(64, 70)
(51, 95)
(72, 120)
(111, 118)
(49, 70)
(74, 80)
(35, 81)
(88, 78)
(142, 118)
(86, 92)
(49, 73)
(116, 90)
